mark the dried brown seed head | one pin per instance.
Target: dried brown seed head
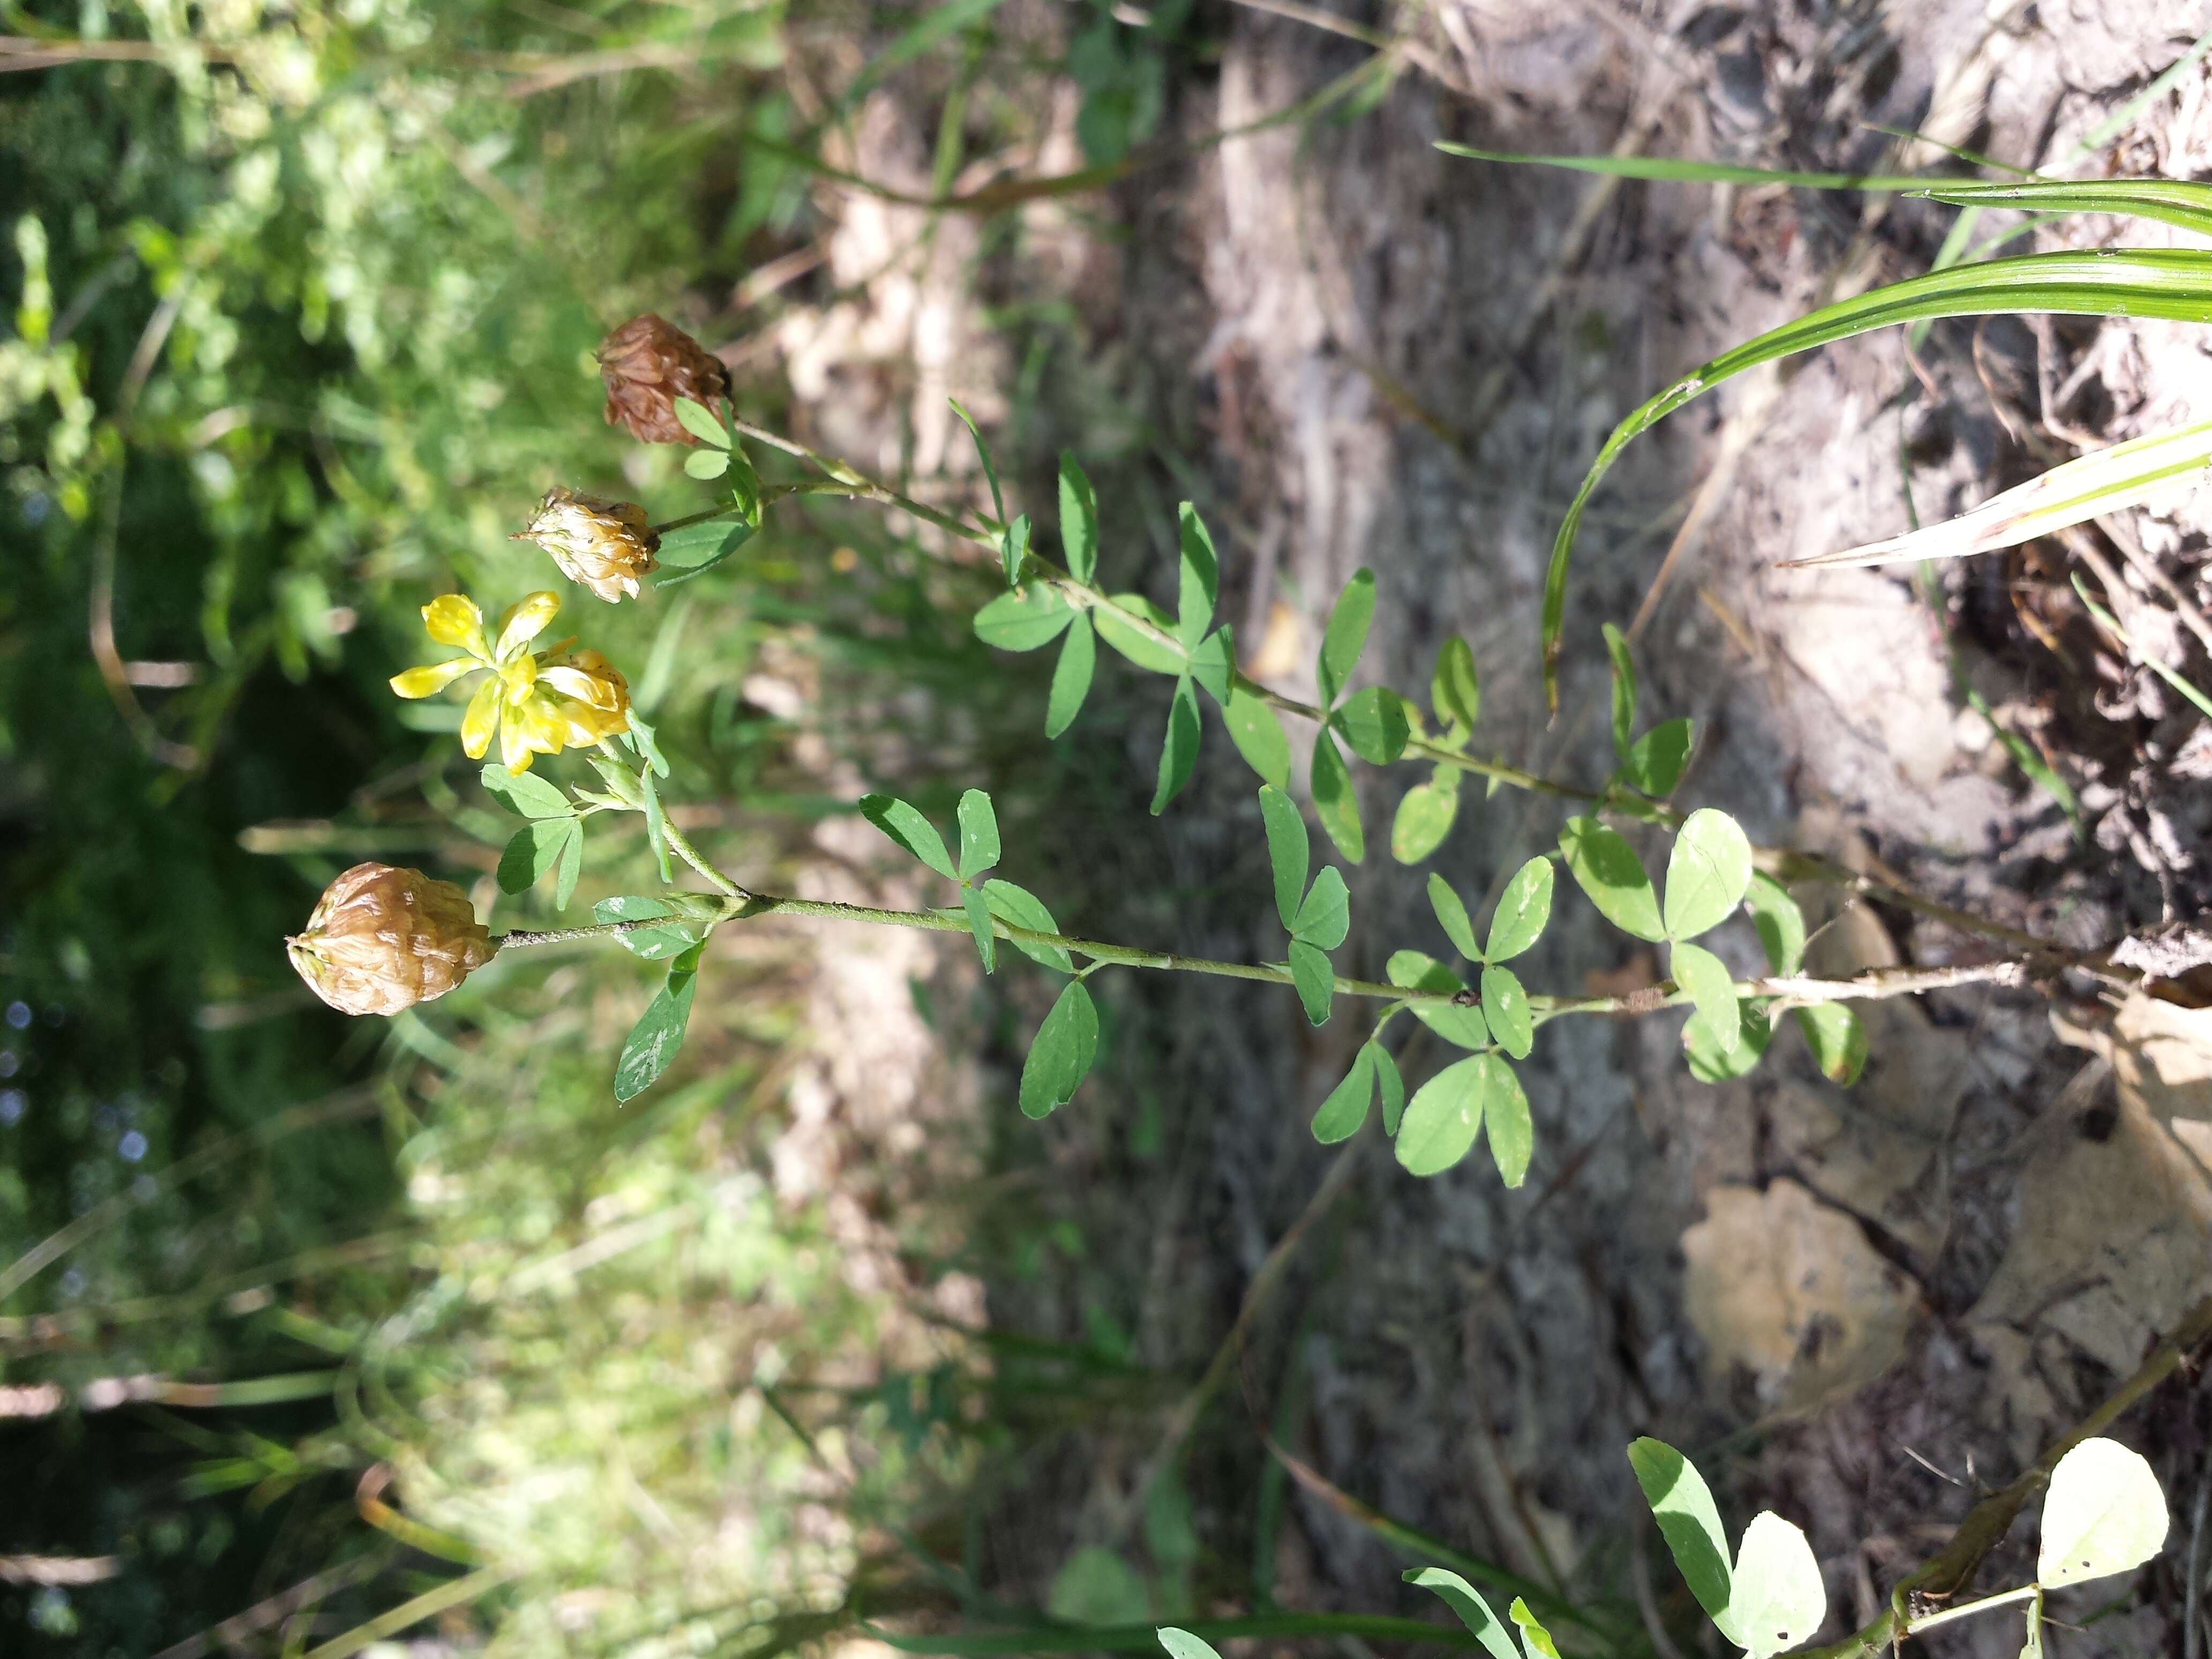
(381, 939)
(606, 545)
(649, 362)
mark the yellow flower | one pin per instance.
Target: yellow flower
(606, 545)
(535, 705)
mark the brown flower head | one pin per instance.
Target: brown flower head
(606, 545)
(647, 363)
(381, 939)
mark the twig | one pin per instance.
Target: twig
(1988, 1521)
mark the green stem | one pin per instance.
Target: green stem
(1783, 863)
(690, 855)
(524, 937)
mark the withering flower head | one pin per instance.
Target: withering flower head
(606, 545)
(382, 938)
(647, 363)
(535, 705)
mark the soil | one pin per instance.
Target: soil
(1859, 1307)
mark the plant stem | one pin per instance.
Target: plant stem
(521, 937)
(1785, 863)
(1921, 1626)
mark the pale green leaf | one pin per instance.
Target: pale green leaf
(1535, 1640)
(1114, 627)
(654, 1042)
(1451, 916)
(1719, 1016)
(1198, 576)
(1454, 691)
(1778, 1600)
(1780, 923)
(1373, 721)
(978, 925)
(653, 944)
(1443, 1118)
(1606, 867)
(1181, 1644)
(1025, 620)
(1707, 873)
(1709, 1063)
(1425, 819)
(701, 422)
(1506, 1116)
(707, 464)
(2104, 1514)
(1505, 1008)
(1523, 911)
(526, 794)
(979, 834)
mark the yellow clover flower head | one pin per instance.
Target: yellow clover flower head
(382, 939)
(535, 705)
(606, 545)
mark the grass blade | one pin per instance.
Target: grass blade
(1669, 170)
(2171, 201)
(2073, 493)
(2174, 285)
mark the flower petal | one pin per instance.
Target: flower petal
(583, 687)
(525, 621)
(433, 676)
(453, 619)
(481, 721)
(514, 751)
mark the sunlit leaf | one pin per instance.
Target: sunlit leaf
(1710, 1063)
(654, 1042)
(525, 793)
(653, 944)
(1778, 1598)
(979, 834)
(538, 849)
(1780, 923)
(1454, 691)
(1443, 1118)
(707, 464)
(1707, 873)
(1451, 916)
(1198, 574)
(1505, 1008)
(1025, 619)
(1535, 1640)
(1506, 1116)
(1523, 911)
(2177, 202)
(1020, 908)
(1606, 867)
(1719, 1016)
(701, 422)
(906, 825)
(983, 454)
(1181, 1644)
(2105, 1513)
(1689, 1521)
(1425, 819)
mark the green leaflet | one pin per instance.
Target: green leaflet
(1655, 761)
(1838, 1038)
(1114, 627)
(1707, 873)
(1315, 979)
(1719, 1017)
(1198, 576)
(1451, 916)
(1345, 1108)
(1523, 911)
(1258, 735)
(1071, 677)
(1606, 867)
(906, 825)
(979, 834)
(1624, 690)
(1060, 1058)
(654, 1042)
(1288, 851)
(1078, 519)
(1336, 803)
(1027, 619)
(1443, 1118)
(543, 847)
(1179, 748)
(1019, 908)
(1425, 819)
(1505, 1007)
(1346, 635)
(1373, 723)
(525, 793)
(1455, 690)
